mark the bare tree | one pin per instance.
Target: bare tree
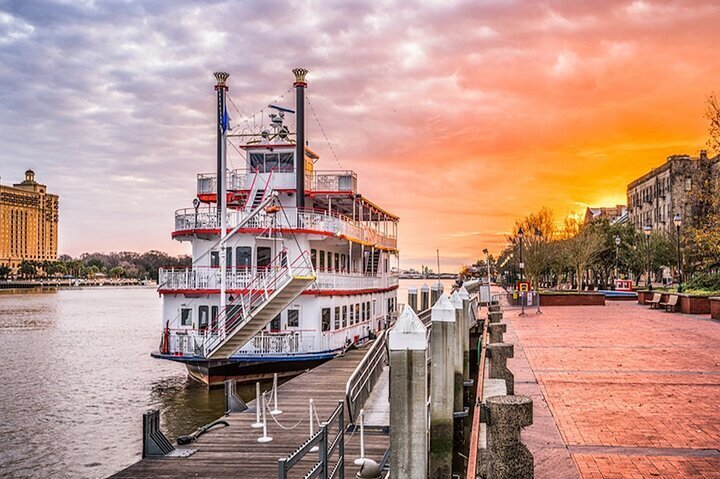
(538, 233)
(582, 245)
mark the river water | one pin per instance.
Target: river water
(77, 376)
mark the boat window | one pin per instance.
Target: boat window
(283, 258)
(337, 317)
(186, 317)
(257, 161)
(363, 312)
(263, 256)
(203, 316)
(357, 312)
(271, 162)
(275, 323)
(286, 162)
(344, 317)
(329, 261)
(342, 262)
(234, 314)
(293, 318)
(243, 257)
(213, 318)
(313, 258)
(228, 257)
(352, 315)
(325, 319)
(214, 259)
(322, 261)
(337, 262)
(368, 309)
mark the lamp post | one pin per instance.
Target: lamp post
(617, 259)
(678, 221)
(487, 260)
(522, 270)
(647, 231)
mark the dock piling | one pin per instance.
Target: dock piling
(233, 402)
(424, 297)
(508, 457)
(154, 441)
(413, 297)
(498, 353)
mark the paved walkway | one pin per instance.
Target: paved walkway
(624, 391)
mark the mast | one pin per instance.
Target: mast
(300, 85)
(222, 122)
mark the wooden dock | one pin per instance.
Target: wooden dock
(233, 451)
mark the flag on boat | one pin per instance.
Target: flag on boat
(225, 120)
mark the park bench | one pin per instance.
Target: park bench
(671, 303)
(655, 301)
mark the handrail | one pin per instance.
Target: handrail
(363, 378)
(475, 431)
(252, 185)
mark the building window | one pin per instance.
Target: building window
(203, 316)
(186, 317)
(688, 184)
(325, 319)
(293, 318)
(337, 317)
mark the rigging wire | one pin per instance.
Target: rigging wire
(323, 132)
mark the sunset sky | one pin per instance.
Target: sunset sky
(459, 116)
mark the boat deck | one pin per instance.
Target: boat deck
(233, 451)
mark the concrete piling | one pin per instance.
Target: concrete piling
(434, 293)
(424, 297)
(413, 297)
(407, 342)
(465, 331)
(496, 331)
(457, 358)
(495, 316)
(498, 354)
(443, 348)
(508, 457)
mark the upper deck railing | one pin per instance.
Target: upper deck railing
(189, 219)
(242, 179)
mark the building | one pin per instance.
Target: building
(612, 213)
(655, 197)
(28, 222)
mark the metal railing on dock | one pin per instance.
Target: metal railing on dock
(365, 376)
(475, 431)
(327, 467)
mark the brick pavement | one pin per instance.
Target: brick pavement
(634, 392)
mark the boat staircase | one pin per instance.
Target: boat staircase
(267, 295)
(258, 192)
(373, 261)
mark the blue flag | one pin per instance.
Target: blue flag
(225, 123)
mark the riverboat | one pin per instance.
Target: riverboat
(291, 264)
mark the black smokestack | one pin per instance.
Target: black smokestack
(300, 85)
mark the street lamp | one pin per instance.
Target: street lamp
(487, 260)
(617, 260)
(678, 221)
(647, 230)
(522, 269)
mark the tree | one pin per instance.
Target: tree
(27, 269)
(117, 272)
(5, 271)
(583, 243)
(538, 232)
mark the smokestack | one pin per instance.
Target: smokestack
(220, 88)
(300, 85)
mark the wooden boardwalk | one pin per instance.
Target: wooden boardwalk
(233, 451)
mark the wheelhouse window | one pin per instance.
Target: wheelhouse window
(186, 317)
(337, 318)
(263, 256)
(286, 163)
(203, 316)
(325, 319)
(243, 257)
(293, 318)
(267, 162)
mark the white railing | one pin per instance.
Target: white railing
(241, 179)
(188, 219)
(202, 278)
(235, 180)
(279, 343)
(334, 181)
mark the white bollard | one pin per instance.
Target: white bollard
(265, 437)
(361, 460)
(312, 429)
(275, 411)
(258, 405)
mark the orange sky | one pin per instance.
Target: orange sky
(459, 116)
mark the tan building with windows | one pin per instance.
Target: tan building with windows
(28, 222)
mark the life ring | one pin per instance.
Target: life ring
(272, 209)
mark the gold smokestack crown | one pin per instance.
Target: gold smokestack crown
(221, 78)
(300, 75)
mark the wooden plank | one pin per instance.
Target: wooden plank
(233, 451)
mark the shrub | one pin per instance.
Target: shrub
(704, 281)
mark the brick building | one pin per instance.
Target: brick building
(612, 213)
(28, 222)
(655, 197)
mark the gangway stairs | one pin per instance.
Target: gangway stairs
(269, 293)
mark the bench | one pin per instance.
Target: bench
(655, 302)
(671, 304)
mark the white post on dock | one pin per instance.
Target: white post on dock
(361, 460)
(275, 410)
(457, 358)
(465, 331)
(312, 428)
(265, 437)
(407, 342)
(258, 405)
